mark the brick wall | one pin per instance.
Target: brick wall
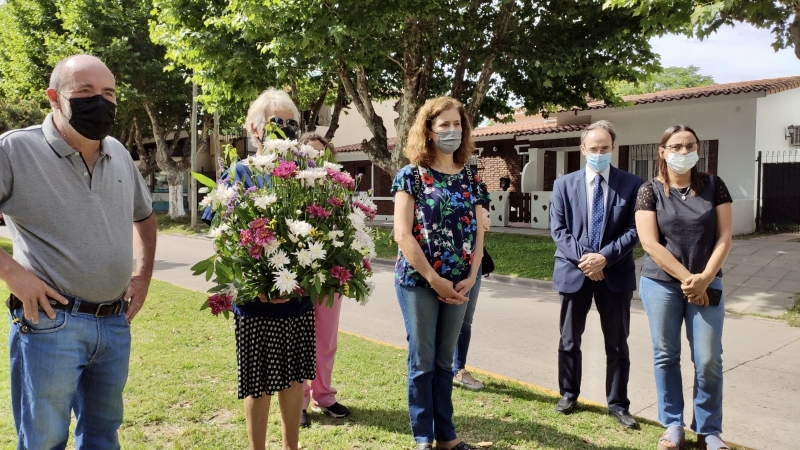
(623, 158)
(550, 167)
(505, 162)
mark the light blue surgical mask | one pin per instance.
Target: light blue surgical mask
(598, 162)
(448, 141)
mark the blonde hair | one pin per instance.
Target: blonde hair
(270, 101)
(421, 151)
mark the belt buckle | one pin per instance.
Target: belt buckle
(100, 308)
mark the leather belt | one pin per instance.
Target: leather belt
(95, 309)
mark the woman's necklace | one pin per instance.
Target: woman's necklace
(683, 193)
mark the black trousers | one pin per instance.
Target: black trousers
(615, 319)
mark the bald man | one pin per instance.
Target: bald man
(72, 198)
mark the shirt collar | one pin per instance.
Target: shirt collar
(57, 142)
(590, 174)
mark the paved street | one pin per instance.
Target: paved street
(515, 334)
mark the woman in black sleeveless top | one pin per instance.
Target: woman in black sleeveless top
(684, 220)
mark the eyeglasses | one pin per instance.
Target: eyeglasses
(675, 148)
(290, 123)
(598, 150)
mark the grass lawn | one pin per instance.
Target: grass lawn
(181, 394)
(181, 225)
(513, 254)
(792, 315)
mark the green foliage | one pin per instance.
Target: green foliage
(19, 113)
(488, 54)
(700, 18)
(667, 79)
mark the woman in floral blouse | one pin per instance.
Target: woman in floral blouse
(438, 203)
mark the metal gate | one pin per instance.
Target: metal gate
(520, 203)
(779, 174)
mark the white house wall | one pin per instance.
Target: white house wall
(775, 113)
(730, 119)
(353, 128)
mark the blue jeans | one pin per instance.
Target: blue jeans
(462, 347)
(667, 310)
(76, 362)
(432, 328)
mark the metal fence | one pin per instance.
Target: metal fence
(779, 186)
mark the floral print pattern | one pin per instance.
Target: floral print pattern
(445, 224)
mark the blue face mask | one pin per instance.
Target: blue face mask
(598, 163)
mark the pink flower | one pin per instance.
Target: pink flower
(342, 178)
(366, 264)
(369, 212)
(333, 201)
(264, 236)
(317, 211)
(245, 238)
(285, 170)
(255, 251)
(341, 274)
(261, 222)
(219, 303)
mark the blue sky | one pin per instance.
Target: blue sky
(738, 53)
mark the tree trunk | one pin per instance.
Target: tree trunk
(312, 117)
(175, 170)
(338, 106)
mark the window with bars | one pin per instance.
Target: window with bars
(644, 159)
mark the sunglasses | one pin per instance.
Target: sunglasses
(291, 123)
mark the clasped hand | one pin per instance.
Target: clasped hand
(454, 295)
(592, 265)
(264, 299)
(694, 289)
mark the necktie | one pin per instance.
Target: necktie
(598, 212)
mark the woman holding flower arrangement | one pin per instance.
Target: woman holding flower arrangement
(437, 205)
(275, 346)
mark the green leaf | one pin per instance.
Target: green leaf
(204, 180)
(202, 266)
(209, 271)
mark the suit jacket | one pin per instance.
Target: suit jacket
(569, 226)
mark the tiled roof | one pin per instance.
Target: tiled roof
(518, 129)
(769, 86)
(357, 146)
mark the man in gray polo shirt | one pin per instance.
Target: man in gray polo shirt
(72, 198)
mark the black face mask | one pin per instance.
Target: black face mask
(290, 130)
(92, 117)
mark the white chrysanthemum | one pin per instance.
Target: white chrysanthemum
(365, 200)
(279, 259)
(205, 202)
(222, 195)
(317, 250)
(285, 281)
(279, 146)
(335, 234)
(309, 177)
(357, 219)
(299, 227)
(304, 258)
(333, 166)
(337, 244)
(272, 247)
(262, 201)
(263, 162)
(370, 289)
(218, 231)
(322, 277)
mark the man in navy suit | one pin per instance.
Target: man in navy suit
(592, 224)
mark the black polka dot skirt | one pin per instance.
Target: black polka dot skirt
(271, 353)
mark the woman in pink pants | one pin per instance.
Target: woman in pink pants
(327, 328)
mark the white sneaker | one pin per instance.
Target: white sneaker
(465, 380)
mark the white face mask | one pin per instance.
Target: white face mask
(681, 164)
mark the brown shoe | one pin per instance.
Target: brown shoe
(465, 380)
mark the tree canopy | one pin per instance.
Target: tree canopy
(667, 79)
(19, 113)
(490, 54)
(700, 18)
